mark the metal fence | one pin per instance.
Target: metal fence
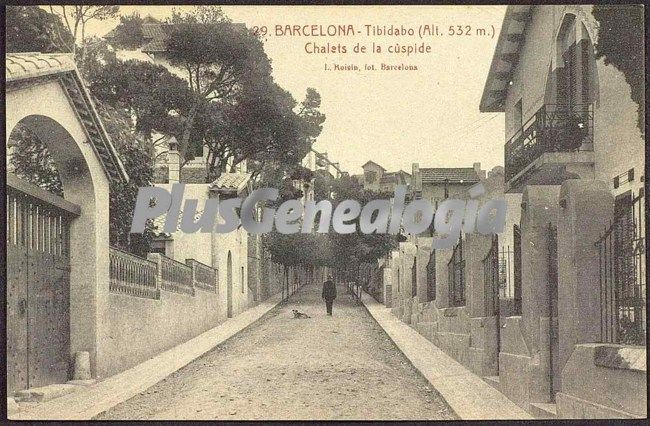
(204, 276)
(621, 250)
(132, 275)
(553, 128)
(491, 279)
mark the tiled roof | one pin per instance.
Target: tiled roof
(30, 65)
(454, 175)
(157, 36)
(155, 30)
(231, 182)
(62, 68)
(155, 45)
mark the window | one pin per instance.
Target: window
(242, 279)
(576, 64)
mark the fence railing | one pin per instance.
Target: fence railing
(553, 128)
(621, 250)
(491, 278)
(174, 276)
(204, 276)
(133, 275)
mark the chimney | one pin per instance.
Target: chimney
(479, 172)
(174, 161)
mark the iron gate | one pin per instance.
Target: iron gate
(491, 288)
(38, 286)
(621, 251)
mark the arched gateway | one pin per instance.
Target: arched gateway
(57, 248)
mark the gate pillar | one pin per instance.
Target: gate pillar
(586, 209)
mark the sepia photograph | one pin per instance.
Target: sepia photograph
(316, 212)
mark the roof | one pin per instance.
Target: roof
(156, 35)
(21, 67)
(34, 64)
(159, 222)
(506, 55)
(372, 162)
(393, 177)
(230, 182)
(451, 175)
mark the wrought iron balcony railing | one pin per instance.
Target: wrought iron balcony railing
(553, 128)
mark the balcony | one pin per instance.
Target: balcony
(555, 144)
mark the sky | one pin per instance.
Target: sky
(394, 118)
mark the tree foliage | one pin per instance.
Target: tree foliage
(621, 43)
(220, 58)
(341, 251)
(137, 161)
(128, 33)
(32, 29)
(75, 18)
(30, 160)
(156, 98)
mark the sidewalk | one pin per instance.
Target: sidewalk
(466, 393)
(86, 403)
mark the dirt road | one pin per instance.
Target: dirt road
(338, 367)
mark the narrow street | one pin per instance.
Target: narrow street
(339, 367)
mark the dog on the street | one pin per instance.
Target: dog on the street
(300, 315)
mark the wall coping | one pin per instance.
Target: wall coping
(619, 356)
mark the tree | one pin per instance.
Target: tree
(323, 181)
(219, 58)
(75, 18)
(32, 29)
(128, 33)
(312, 118)
(30, 160)
(352, 249)
(156, 98)
(621, 43)
(138, 163)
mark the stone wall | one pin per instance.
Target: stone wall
(549, 353)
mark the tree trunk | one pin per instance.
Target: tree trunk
(187, 130)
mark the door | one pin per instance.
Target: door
(38, 292)
(229, 285)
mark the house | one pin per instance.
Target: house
(571, 341)
(390, 180)
(372, 173)
(575, 153)
(227, 253)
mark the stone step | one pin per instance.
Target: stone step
(44, 393)
(543, 410)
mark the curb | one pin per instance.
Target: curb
(93, 400)
(466, 393)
